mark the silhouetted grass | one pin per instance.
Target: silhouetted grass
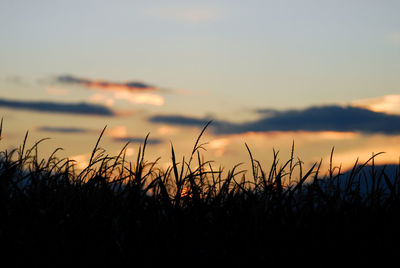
(116, 211)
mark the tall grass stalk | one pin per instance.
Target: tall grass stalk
(117, 211)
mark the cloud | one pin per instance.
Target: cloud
(120, 134)
(67, 130)
(117, 132)
(266, 112)
(133, 98)
(219, 145)
(168, 130)
(141, 98)
(81, 160)
(178, 120)
(317, 118)
(386, 104)
(131, 139)
(101, 98)
(132, 86)
(57, 107)
(133, 92)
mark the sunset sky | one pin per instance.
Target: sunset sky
(321, 73)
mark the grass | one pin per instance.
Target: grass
(117, 212)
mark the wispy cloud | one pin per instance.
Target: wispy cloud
(67, 130)
(120, 134)
(105, 85)
(141, 98)
(102, 98)
(179, 120)
(168, 130)
(132, 139)
(58, 107)
(133, 92)
(322, 118)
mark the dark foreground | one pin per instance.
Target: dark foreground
(117, 213)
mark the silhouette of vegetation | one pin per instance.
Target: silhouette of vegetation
(116, 211)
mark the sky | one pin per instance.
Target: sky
(318, 73)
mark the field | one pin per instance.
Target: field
(117, 212)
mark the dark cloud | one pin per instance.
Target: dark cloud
(105, 85)
(69, 79)
(266, 111)
(178, 120)
(137, 140)
(62, 129)
(322, 118)
(328, 118)
(56, 107)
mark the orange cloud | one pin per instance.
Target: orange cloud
(118, 132)
(109, 101)
(81, 160)
(219, 145)
(347, 158)
(331, 135)
(387, 104)
(168, 130)
(134, 98)
(289, 135)
(134, 92)
(141, 98)
(132, 86)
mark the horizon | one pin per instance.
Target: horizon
(319, 74)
